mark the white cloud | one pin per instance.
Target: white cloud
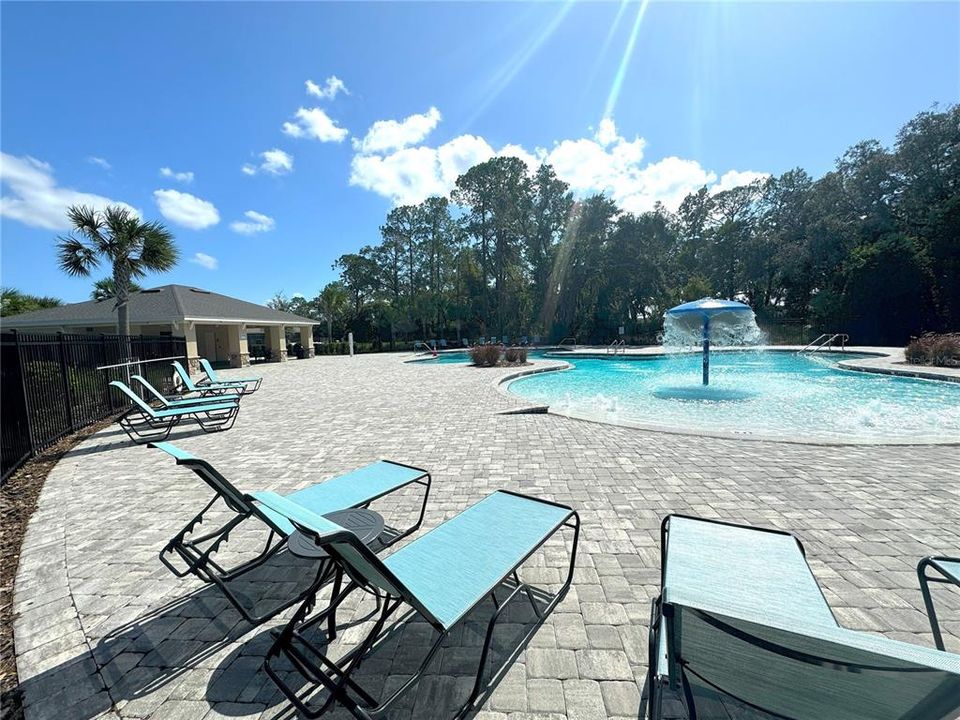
(413, 174)
(386, 135)
(736, 178)
(605, 163)
(186, 209)
(274, 162)
(204, 260)
(36, 200)
(99, 161)
(255, 223)
(315, 123)
(184, 177)
(607, 132)
(332, 86)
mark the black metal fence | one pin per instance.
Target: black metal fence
(54, 384)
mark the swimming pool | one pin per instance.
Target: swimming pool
(778, 395)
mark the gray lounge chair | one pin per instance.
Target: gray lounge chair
(741, 616)
(197, 552)
(143, 423)
(947, 570)
(442, 576)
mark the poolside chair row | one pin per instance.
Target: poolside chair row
(212, 403)
(740, 615)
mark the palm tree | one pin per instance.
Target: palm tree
(332, 301)
(14, 302)
(132, 246)
(105, 289)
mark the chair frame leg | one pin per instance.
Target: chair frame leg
(925, 579)
(197, 555)
(336, 678)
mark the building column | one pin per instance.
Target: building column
(277, 340)
(237, 345)
(193, 354)
(306, 339)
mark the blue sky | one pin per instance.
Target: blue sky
(271, 180)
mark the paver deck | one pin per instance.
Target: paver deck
(103, 628)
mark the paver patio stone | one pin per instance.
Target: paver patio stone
(101, 623)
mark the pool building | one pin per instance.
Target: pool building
(225, 330)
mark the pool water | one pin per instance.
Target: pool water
(762, 394)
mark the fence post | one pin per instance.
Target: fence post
(64, 374)
(23, 389)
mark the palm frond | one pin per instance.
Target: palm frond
(75, 257)
(86, 221)
(159, 252)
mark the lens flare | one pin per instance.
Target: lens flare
(617, 85)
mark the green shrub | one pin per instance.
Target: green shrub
(516, 355)
(485, 355)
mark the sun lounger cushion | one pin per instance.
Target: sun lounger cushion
(354, 488)
(457, 563)
(743, 571)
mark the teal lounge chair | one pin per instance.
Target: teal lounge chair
(946, 570)
(196, 554)
(143, 423)
(234, 388)
(178, 401)
(251, 384)
(442, 576)
(741, 616)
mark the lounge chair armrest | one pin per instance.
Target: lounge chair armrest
(173, 450)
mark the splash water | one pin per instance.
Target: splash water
(707, 325)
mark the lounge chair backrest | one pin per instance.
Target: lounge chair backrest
(358, 560)
(208, 369)
(184, 376)
(133, 396)
(814, 671)
(209, 475)
(150, 388)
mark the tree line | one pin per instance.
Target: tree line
(872, 248)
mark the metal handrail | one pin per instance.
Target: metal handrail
(616, 345)
(825, 340)
(573, 344)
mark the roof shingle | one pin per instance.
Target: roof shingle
(164, 304)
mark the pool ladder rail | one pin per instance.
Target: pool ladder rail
(617, 346)
(826, 340)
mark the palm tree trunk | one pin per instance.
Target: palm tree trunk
(329, 329)
(122, 294)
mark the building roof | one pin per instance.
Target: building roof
(164, 304)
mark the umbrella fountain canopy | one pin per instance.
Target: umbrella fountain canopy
(703, 316)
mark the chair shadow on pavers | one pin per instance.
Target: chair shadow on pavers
(117, 440)
(142, 657)
(240, 686)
